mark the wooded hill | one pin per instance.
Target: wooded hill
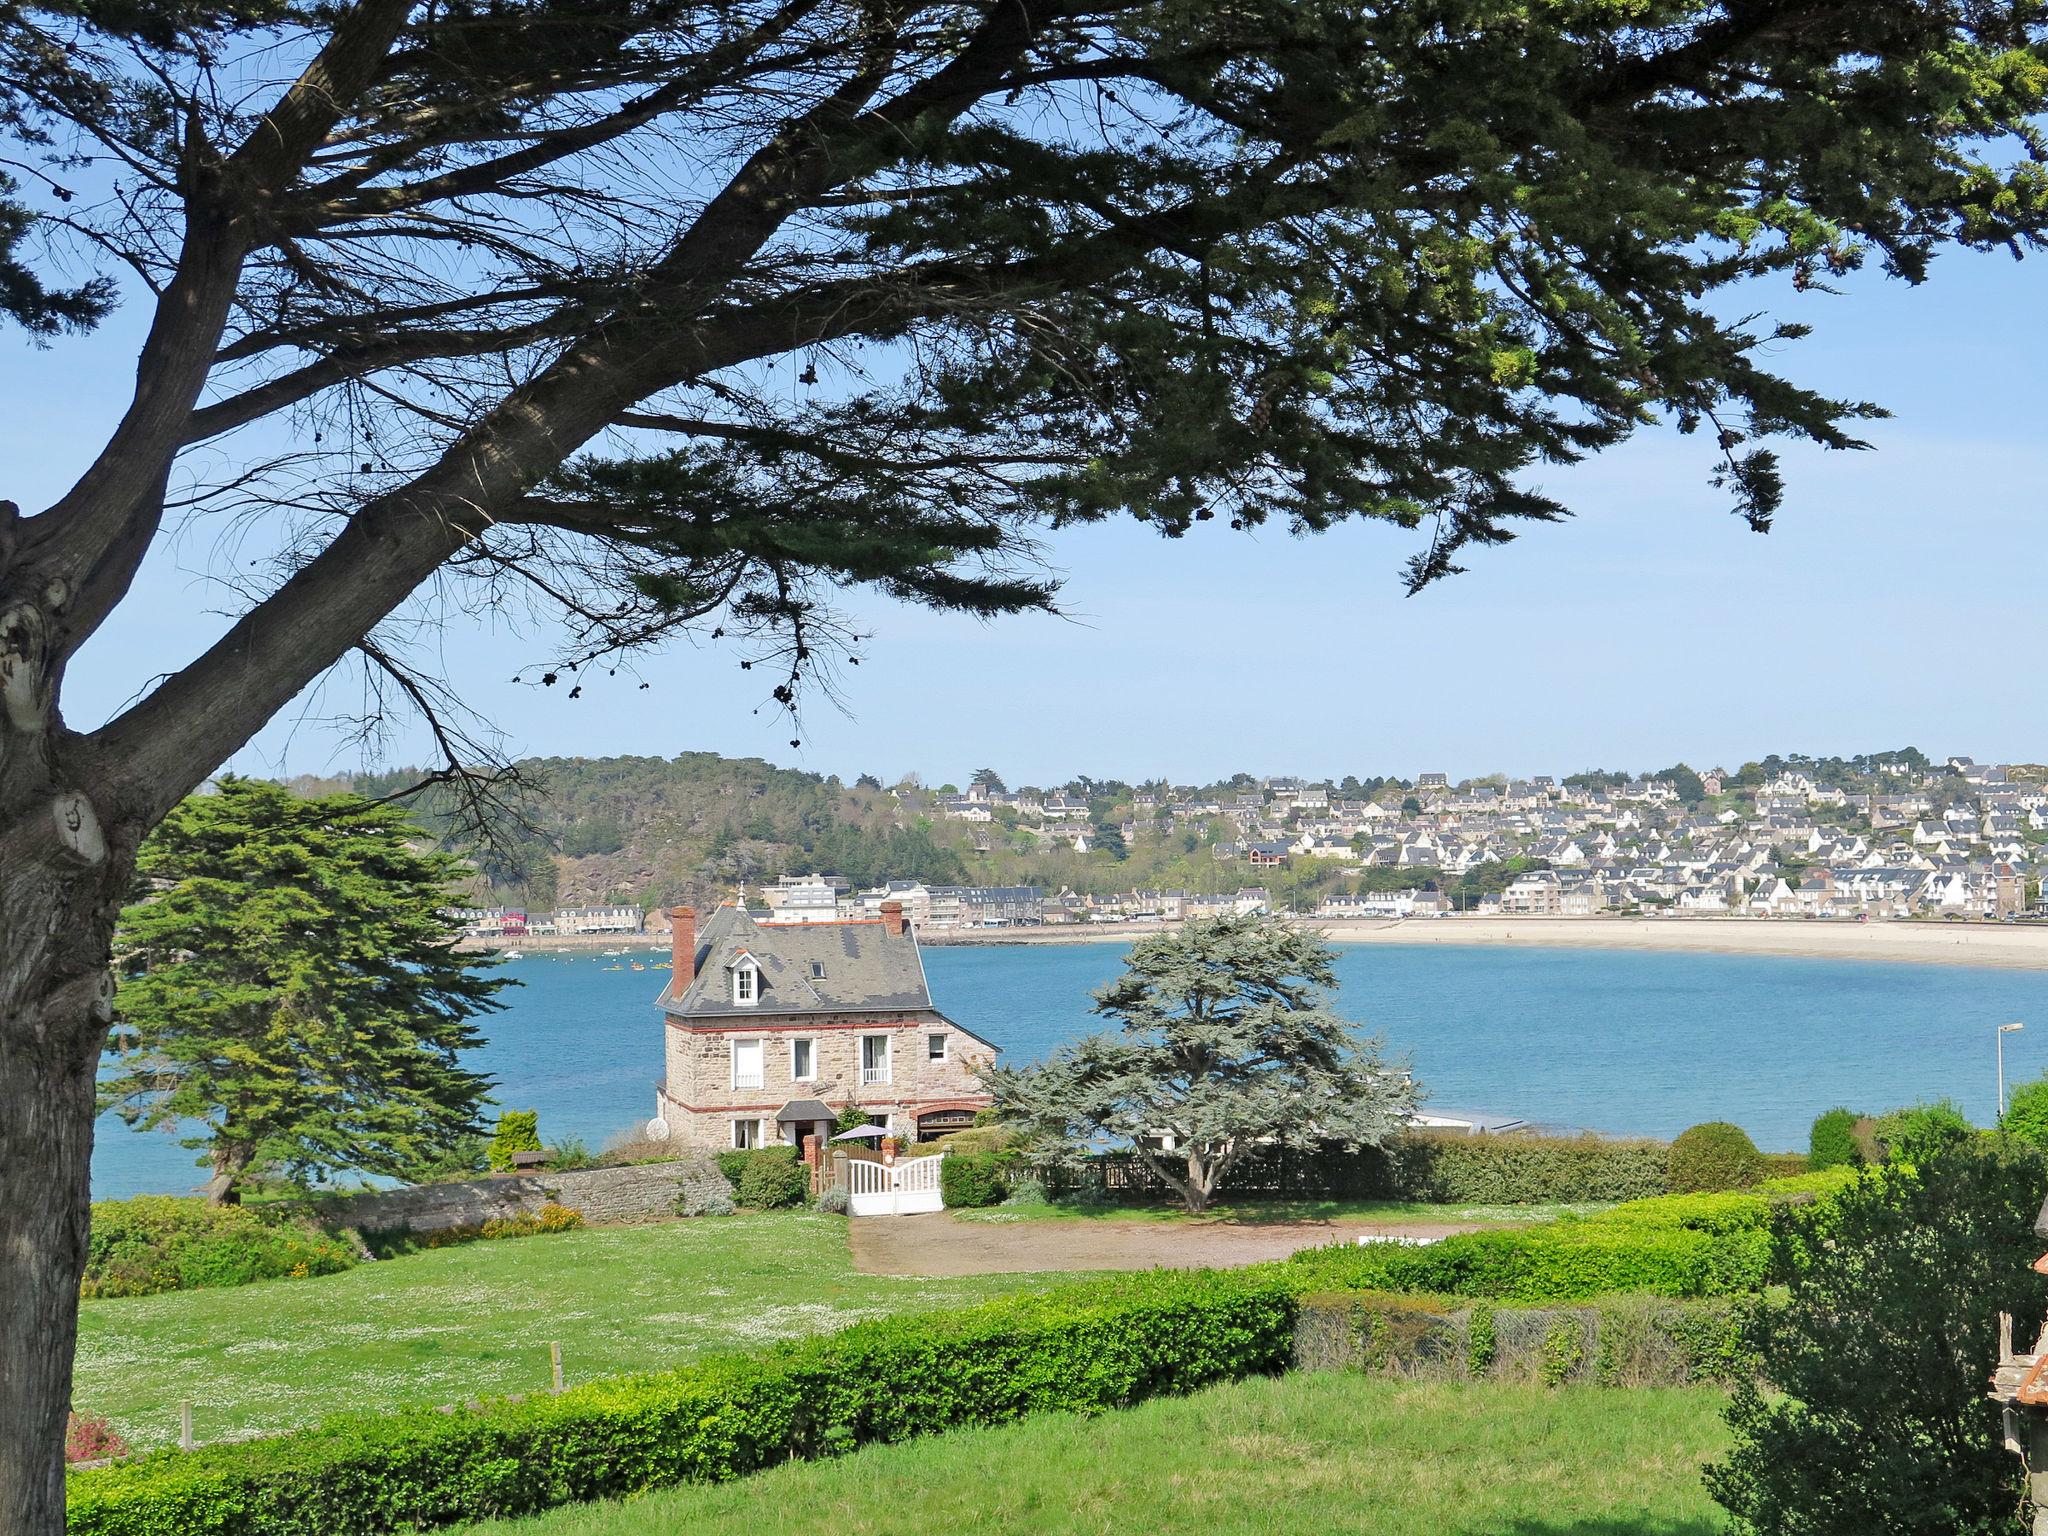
(653, 831)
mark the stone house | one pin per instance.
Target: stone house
(772, 1029)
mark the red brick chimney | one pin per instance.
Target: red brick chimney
(682, 948)
(892, 918)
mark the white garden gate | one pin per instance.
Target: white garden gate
(900, 1189)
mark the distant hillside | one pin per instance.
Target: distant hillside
(653, 830)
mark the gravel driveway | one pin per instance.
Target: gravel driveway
(940, 1244)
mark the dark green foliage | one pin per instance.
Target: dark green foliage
(1079, 1348)
(851, 1118)
(968, 1180)
(1691, 791)
(1716, 1155)
(2026, 1114)
(292, 992)
(1833, 1141)
(160, 1243)
(697, 821)
(1922, 1132)
(766, 1178)
(41, 311)
(596, 833)
(1442, 1167)
(1520, 1169)
(517, 1130)
(1878, 1359)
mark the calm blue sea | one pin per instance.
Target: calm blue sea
(1627, 1043)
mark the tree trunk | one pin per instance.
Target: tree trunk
(230, 1162)
(60, 887)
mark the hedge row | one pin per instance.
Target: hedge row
(1622, 1341)
(1515, 1169)
(167, 1243)
(1672, 1245)
(1082, 1348)
(1566, 1261)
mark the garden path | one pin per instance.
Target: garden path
(942, 1244)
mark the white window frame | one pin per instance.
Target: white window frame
(945, 1043)
(760, 1057)
(803, 1077)
(746, 984)
(752, 1139)
(867, 1077)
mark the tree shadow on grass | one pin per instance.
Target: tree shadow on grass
(1612, 1525)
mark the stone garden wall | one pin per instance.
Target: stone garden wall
(643, 1192)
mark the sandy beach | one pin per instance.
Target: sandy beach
(2014, 946)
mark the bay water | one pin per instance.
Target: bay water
(1620, 1042)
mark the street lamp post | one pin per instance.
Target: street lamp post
(2003, 1031)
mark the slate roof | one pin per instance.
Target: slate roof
(805, 968)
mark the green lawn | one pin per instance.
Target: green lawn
(476, 1321)
(1310, 1452)
(1268, 1212)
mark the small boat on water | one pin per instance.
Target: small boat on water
(613, 954)
(615, 967)
(638, 966)
(512, 954)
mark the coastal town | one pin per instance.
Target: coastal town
(1890, 835)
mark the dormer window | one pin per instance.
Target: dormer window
(746, 983)
(817, 970)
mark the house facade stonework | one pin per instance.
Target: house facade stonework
(772, 1030)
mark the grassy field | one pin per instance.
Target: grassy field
(1281, 1212)
(475, 1321)
(1307, 1452)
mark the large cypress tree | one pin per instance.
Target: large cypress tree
(1226, 1044)
(292, 991)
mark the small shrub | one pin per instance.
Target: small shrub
(1564, 1351)
(1832, 1143)
(715, 1205)
(833, 1202)
(570, 1154)
(1027, 1192)
(1713, 1156)
(971, 1180)
(1481, 1341)
(159, 1243)
(1922, 1132)
(89, 1437)
(767, 1178)
(518, 1130)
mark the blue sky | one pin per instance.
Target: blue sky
(1894, 604)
